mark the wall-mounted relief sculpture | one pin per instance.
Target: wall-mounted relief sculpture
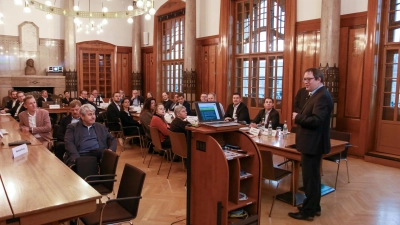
(28, 36)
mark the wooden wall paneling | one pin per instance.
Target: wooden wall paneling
(212, 55)
(148, 69)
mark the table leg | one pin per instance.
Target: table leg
(294, 198)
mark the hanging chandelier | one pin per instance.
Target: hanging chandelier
(138, 7)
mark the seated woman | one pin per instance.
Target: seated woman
(145, 117)
(158, 122)
(149, 95)
(178, 124)
(128, 121)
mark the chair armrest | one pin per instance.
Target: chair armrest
(348, 145)
(123, 199)
(100, 176)
(100, 181)
(280, 164)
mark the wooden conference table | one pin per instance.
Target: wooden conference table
(39, 188)
(284, 147)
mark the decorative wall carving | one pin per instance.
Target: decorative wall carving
(28, 36)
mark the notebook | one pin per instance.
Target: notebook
(209, 113)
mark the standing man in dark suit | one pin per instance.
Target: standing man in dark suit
(300, 99)
(237, 111)
(113, 110)
(312, 141)
(269, 113)
(44, 98)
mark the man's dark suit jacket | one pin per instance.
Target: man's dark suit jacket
(273, 116)
(139, 98)
(83, 100)
(187, 106)
(313, 124)
(62, 127)
(242, 112)
(167, 104)
(40, 101)
(65, 101)
(14, 109)
(112, 117)
(10, 103)
(300, 99)
(73, 140)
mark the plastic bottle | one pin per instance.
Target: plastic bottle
(285, 130)
(270, 129)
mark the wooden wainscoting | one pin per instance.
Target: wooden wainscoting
(148, 69)
(124, 69)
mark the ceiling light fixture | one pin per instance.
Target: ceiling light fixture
(26, 8)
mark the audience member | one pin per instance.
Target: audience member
(203, 97)
(67, 99)
(212, 97)
(36, 121)
(97, 97)
(136, 99)
(73, 117)
(174, 103)
(44, 98)
(19, 106)
(269, 113)
(113, 110)
(91, 101)
(128, 121)
(166, 101)
(237, 111)
(13, 101)
(179, 123)
(121, 95)
(146, 114)
(182, 101)
(86, 137)
(149, 95)
(6, 98)
(83, 97)
(159, 122)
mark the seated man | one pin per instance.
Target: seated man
(83, 97)
(86, 137)
(73, 117)
(136, 99)
(237, 111)
(67, 98)
(267, 114)
(36, 121)
(113, 110)
(97, 97)
(19, 106)
(182, 101)
(91, 101)
(43, 98)
(166, 101)
(204, 97)
(173, 104)
(6, 98)
(13, 101)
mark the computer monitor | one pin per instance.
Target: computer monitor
(208, 111)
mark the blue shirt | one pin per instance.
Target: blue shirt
(89, 140)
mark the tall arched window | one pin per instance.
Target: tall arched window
(258, 50)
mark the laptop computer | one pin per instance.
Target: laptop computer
(209, 113)
(46, 104)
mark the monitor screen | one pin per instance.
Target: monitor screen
(208, 111)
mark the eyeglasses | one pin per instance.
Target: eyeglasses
(308, 79)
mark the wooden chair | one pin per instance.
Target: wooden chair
(125, 207)
(179, 146)
(104, 181)
(270, 172)
(125, 137)
(155, 137)
(342, 136)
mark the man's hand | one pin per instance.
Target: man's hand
(228, 119)
(253, 125)
(294, 114)
(25, 129)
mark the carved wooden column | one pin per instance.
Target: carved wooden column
(329, 49)
(70, 69)
(137, 80)
(189, 73)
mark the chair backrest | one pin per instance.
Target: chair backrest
(108, 165)
(178, 143)
(268, 171)
(293, 129)
(155, 137)
(342, 136)
(86, 166)
(131, 185)
(55, 130)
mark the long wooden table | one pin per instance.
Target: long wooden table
(5, 210)
(39, 188)
(284, 147)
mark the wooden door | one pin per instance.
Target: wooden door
(123, 80)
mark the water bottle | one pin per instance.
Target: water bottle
(270, 129)
(56, 102)
(285, 129)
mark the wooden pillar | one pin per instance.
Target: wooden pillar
(189, 73)
(137, 79)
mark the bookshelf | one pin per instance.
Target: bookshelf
(216, 180)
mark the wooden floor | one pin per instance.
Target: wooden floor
(371, 197)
